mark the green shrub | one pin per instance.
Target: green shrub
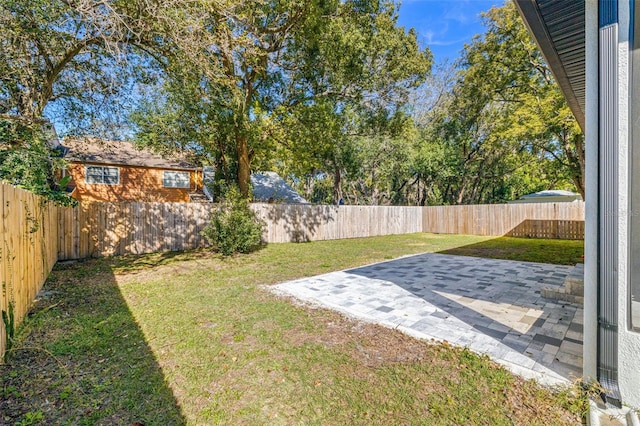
(234, 227)
(27, 161)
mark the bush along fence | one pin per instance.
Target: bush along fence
(36, 233)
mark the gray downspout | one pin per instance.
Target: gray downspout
(634, 191)
(608, 202)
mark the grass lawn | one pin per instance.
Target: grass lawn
(192, 339)
(561, 252)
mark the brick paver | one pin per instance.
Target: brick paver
(490, 306)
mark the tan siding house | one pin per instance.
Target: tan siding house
(117, 171)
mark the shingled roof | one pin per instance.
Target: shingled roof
(270, 187)
(97, 151)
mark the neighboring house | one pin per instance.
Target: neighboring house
(549, 196)
(593, 49)
(117, 171)
(269, 187)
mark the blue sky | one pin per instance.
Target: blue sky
(445, 25)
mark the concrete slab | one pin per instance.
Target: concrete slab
(491, 306)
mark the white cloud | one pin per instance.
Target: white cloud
(458, 13)
(447, 42)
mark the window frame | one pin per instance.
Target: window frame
(176, 181)
(102, 175)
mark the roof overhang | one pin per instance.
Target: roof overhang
(558, 27)
(121, 153)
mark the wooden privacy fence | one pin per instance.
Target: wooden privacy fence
(105, 229)
(28, 252)
(108, 229)
(300, 223)
(535, 220)
(36, 233)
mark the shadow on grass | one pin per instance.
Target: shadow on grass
(559, 252)
(136, 262)
(80, 358)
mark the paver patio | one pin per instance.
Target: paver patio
(490, 306)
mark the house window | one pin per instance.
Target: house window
(175, 179)
(103, 174)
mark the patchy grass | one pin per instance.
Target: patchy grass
(186, 339)
(560, 252)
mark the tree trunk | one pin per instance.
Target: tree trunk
(309, 184)
(337, 185)
(461, 194)
(573, 146)
(375, 197)
(244, 165)
(423, 197)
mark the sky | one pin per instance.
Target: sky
(444, 25)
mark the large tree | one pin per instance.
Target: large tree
(497, 127)
(490, 129)
(259, 63)
(504, 70)
(77, 61)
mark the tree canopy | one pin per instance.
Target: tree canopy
(503, 69)
(31, 166)
(332, 94)
(264, 68)
(487, 129)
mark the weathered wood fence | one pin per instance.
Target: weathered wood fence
(28, 251)
(35, 233)
(108, 229)
(105, 229)
(539, 220)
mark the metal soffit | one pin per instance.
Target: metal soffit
(558, 27)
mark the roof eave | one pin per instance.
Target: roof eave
(123, 164)
(536, 25)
